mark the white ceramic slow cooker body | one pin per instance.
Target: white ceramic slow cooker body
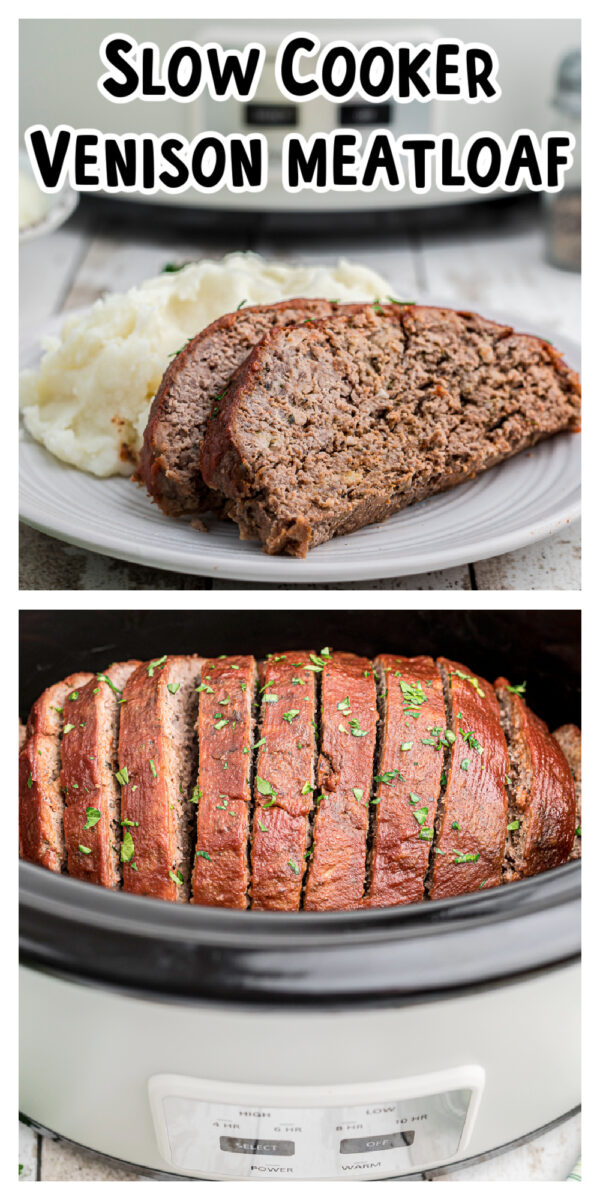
(150, 1032)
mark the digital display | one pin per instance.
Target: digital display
(375, 1142)
(263, 1146)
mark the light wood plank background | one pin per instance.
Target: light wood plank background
(495, 262)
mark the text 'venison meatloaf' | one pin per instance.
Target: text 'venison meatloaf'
(333, 425)
(407, 783)
(41, 834)
(569, 740)
(542, 805)
(470, 832)
(285, 778)
(157, 757)
(191, 390)
(225, 735)
(336, 868)
(89, 758)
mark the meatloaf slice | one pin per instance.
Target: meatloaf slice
(409, 770)
(157, 767)
(89, 757)
(285, 779)
(470, 830)
(337, 865)
(335, 424)
(569, 740)
(191, 389)
(221, 873)
(41, 834)
(542, 804)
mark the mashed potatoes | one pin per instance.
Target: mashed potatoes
(89, 400)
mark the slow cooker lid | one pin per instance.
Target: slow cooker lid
(394, 955)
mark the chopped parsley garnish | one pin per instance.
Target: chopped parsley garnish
(241, 305)
(358, 792)
(75, 695)
(29, 781)
(308, 787)
(465, 858)
(326, 652)
(294, 866)
(425, 834)
(413, 694)
(289, 716)
(455, 825)
(420, 815)
(270, 698)
(122, 776)
(156, 662)
(261, 742)
(177, 877)
(465, 764)
(263, 828)
(126, 821)
(222, 723)
(472, 742)
(68, 728)
(406, 746)
(127, 847)
(153, 768)
(105, 679)
(93, 816)
(84, 849)
(205, 688)
(578, 831)
(513, 825)
(473, 681)
(344, 705)
(173, 688)
(518, 690)
(196, 795)
(355, 728)
(388, 776)
(203, 854)
(264, 787)
(413, 798)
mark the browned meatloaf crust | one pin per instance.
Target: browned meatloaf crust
(284, 780)
(335, 424)
(470, 830)
(191, 389)
(409, 771)
(337, 866)
(315, 781)
(225, 733)
(569, 740)
(41, 834)
(89, 757)
(157, 752)
(542, 804)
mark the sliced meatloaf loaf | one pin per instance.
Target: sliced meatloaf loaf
(89, 758)
(41, 804)
(408, 779)
(569, 740)
(157, 760)
(337, 864)
(316, 781)
(470, 829)
(332, 425)
(221, 874)
(191, 389)
(542, 803)
(284, 779)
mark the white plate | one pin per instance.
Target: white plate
(513, 505)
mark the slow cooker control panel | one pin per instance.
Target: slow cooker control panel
(370, 1131)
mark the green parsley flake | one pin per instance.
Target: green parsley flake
(205, 688)
(29, 781)
(420, 815)
(425, 834)
(122, 776)
(406, 746)
(127, 847)
(153, 768)
(84, 849)
(289, 716)
(203, 854)
(465, 764)
(513, 825)
(308, 787)
(344, 705)
(270, 698)
(68, 728)
(177, 877)
(355, 728)
(156, 662)
(359, 793)
(105, 679)
(173, 688)
(294, 866)
(222, 723)
(264, 787)
(263, 828)
(262, 742)
(465, 858)
(518, 690)
(93, 816)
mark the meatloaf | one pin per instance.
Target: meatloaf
(335, 424)
(157, 753)
(41, 803)
(569, 740)
(311, 780)
(191, 390)
(221, 875)
(284, 778)
(89, 767)
(541, 790)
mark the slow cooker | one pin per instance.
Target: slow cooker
(212, 1044)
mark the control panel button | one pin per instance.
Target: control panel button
(257, 1146)
(377, 1142)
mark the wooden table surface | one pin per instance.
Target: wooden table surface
(495, 263)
